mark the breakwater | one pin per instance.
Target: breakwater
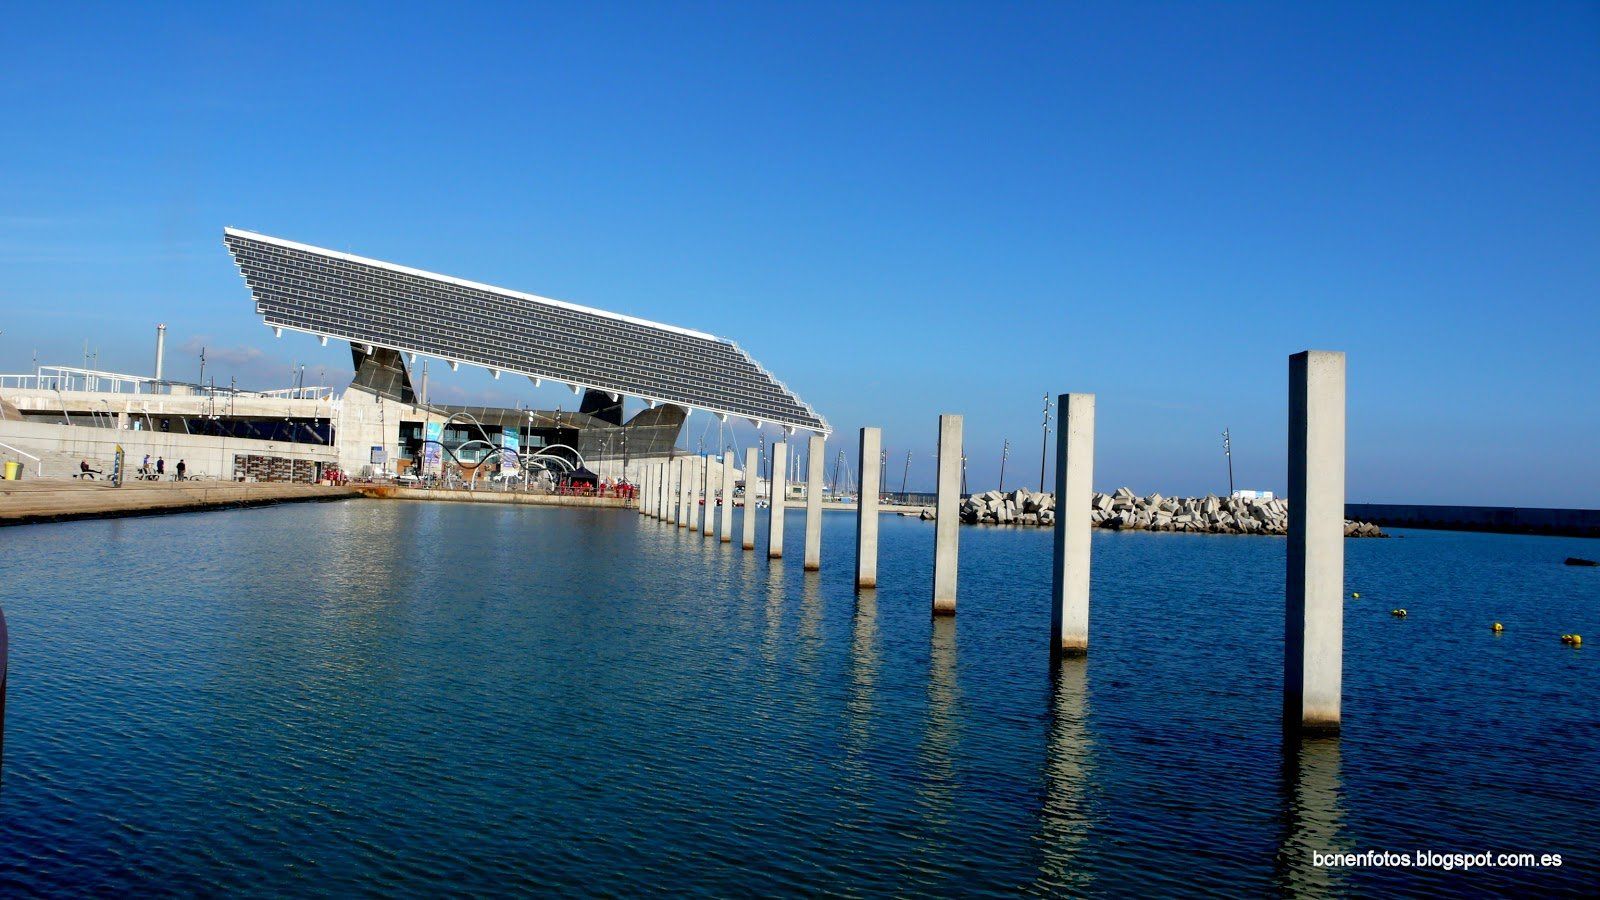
(1499, 519)
(1123, 510)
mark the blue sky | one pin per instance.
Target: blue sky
(900, 209)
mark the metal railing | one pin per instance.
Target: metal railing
(38, 463)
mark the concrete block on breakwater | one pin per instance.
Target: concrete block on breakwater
(1123, 510)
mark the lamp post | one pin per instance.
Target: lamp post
(903, 476)
(1044, 445)
(1005, 454)
(1227, 450)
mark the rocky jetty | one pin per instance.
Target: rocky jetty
(1124, 510)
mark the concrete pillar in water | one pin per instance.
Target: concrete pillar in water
(725, 529)
(867, 510)
(708, 516)
(658, 491)
(752, 489)
(947, 527)
(1069, 594)
(684, 479)
(1313, 645)
(642, 505)
(780, 482)
(816, 458)
(697, 484)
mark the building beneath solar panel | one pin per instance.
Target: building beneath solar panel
(396, 321)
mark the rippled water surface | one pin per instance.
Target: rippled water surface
(406, 697)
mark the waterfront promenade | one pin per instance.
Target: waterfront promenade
(54, 500)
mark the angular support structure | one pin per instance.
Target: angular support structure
(1069, 583)
(1313, 646)
(725, 528)
(947, 525)
(816, 458)
(752, 490)
(867, 509)
(775, 504)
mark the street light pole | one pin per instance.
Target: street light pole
(1227, 450)
(1044, 446)
(1005, 454)
(903, 476)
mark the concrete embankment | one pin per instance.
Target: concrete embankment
(1498, 519)
(1123, 510)
(453, 495)
(55, 500)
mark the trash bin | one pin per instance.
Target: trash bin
(13, 470)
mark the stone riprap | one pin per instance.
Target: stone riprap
(1122, 509)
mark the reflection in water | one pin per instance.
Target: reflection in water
(937, 756)
(1312, 817)
(864, 664)
(773, 634)
(810, 643)
(1067, 815)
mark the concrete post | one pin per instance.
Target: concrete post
(708, 515)
(1069, 595)
(752, 489)
(642, 507)
(816, 458)
(684, 479)
(947, 528)
(1314, 590)
(780, 486)
(725, 530)
(664, 492)
(656, 493)
(867, 510)
(697, 478)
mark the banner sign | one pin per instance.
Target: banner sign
(432, 451)
(510, 445)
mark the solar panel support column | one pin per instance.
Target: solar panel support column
(1313, 645)
(752, 490)
(780, 462)
(816, 458)
(867, 510)
(725, 530)
(947, 524)
(1069, 595)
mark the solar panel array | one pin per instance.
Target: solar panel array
(366, 301)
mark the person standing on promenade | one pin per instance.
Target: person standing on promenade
(161, 466)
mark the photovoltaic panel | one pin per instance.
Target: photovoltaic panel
(333, 294)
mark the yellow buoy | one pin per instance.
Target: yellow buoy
(1498, 628)
(1577, 640)
(1356, 595)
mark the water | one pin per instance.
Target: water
(390, 697)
